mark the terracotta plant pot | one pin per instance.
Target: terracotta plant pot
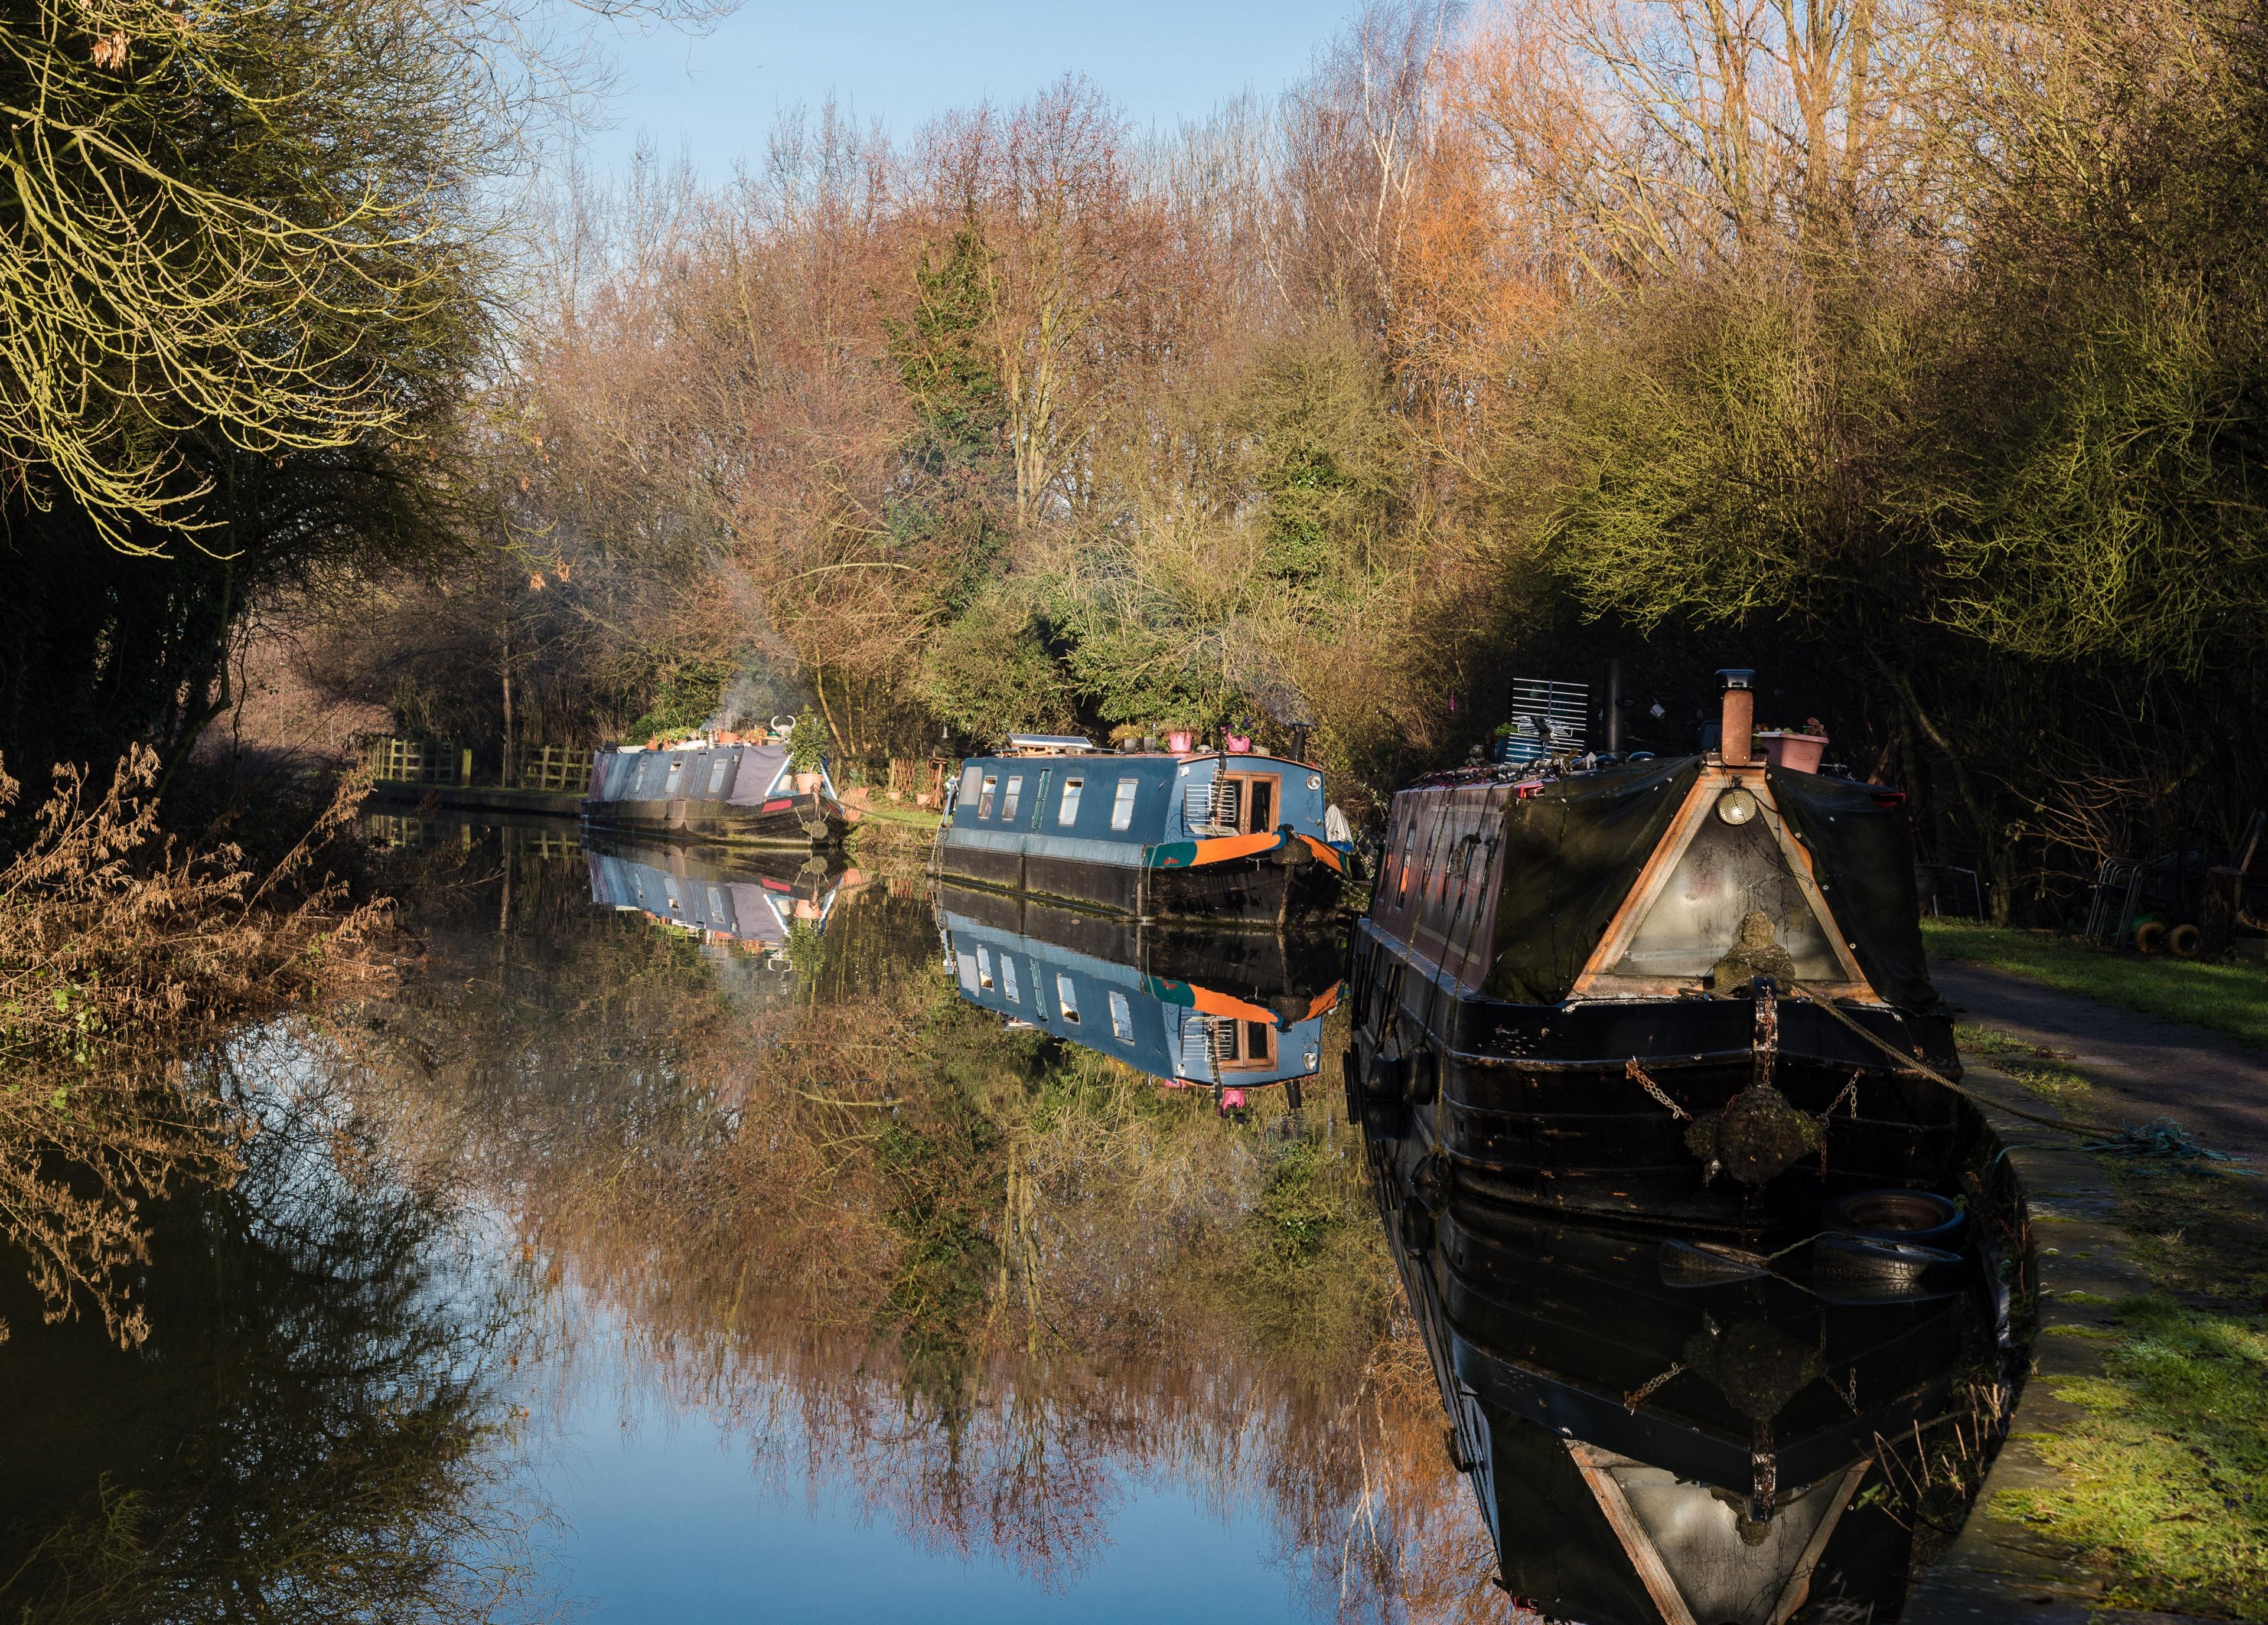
(1798, 753)
(805, 783)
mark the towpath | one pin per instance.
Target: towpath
(2141, 1066)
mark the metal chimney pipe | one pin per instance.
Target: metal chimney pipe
(1614, 707)
(1737, 748)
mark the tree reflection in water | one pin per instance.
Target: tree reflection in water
(980, 1278)
(316, 1428)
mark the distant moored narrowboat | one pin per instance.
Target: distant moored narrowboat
(1221, 837)
(720, 789)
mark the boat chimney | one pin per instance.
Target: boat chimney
(1737, 747)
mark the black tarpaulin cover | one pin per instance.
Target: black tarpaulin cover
(1862, 854)
(1571, 856)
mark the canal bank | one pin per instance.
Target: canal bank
(2126, 1490)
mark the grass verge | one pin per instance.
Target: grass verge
(2165, 1469)
(2229, 998)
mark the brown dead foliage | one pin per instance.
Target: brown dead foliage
(123, 949)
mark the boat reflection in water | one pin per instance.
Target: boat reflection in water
(1658, 1437)
(1228, 1012)
(743, 903)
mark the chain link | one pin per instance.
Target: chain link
(1637, 1075)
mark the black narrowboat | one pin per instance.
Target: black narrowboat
(718, 790)
(1220, 838)
(1690, 991)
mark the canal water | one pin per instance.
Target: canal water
(684, 1240)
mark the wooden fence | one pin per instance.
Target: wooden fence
(920, 780)
(418, 761)
(556, 767)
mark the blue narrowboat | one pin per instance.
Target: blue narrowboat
(1185, 1034)
(1218, 838)
(721, 790)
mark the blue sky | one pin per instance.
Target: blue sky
(714, 96)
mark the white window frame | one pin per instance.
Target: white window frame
(984, 967)
(1121, 803)
(1008, 978)
(1010, 797)
(1067, 998)
(984, 794)
(1067, 804)
(1121, 1017)
(717, 774)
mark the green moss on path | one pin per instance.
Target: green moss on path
(2166, 1470)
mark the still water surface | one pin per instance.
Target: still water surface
(684, 1242)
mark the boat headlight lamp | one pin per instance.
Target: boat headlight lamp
(1314, 781)
(1311, 1060)
(1736, 806)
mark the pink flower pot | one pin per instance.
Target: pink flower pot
(1177, 741)
(1798, 753)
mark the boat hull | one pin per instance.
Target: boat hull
(1286, 889)
(808, 821)
(1589, 1109)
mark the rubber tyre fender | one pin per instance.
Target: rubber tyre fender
(2185, 941)
(1388, 1079)
(1921, 1216)
(2149, 937)
(1900, 1262)
(1425, 1078)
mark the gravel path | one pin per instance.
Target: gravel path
(2141, 1066)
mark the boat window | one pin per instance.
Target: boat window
(1121, 809)
(969, 786)
(968, 967)
(1408, 851)
(1262, 807)
(717, 774)
(1015, 793)
(1068, 813)
(1008, 980)
(984, 967)
(984, 799)
(1121, 1019)
(1067, 995)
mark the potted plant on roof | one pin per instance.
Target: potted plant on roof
(1797, 750)
(806, 751)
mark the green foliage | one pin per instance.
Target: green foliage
(2167, 1469)
(686, 694)
(2113, 513)
(990, 673)
(1327, 459)
(807, 743)
(959, 480)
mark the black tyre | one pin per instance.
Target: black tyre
(1921, 1216)
(1891, 1263)
(1425, 1078)
(1388, 1077)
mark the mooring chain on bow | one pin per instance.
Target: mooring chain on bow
(1636, 1073)
(1640, 1395)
